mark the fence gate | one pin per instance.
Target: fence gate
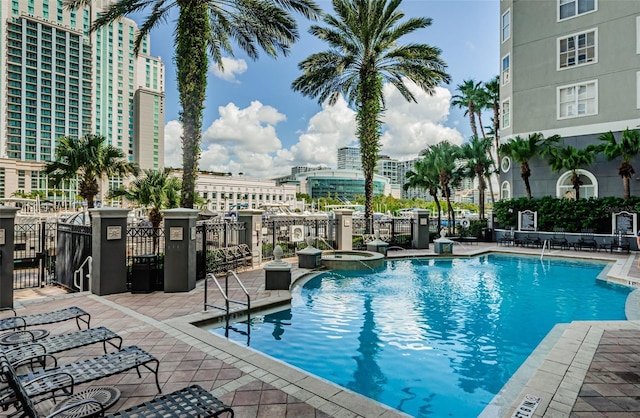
(73, 246)
(32, 255)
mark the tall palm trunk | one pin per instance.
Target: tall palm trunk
(191, 66)
(525, 173)
(370, 91)
(479, 114)
(472, 118)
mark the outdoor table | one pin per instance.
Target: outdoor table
(106, 395)
(22, 336)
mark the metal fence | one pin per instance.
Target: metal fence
(34, 254)
(73, 246)
(145, 244)
(398, 232)
(211, 237)
(290, 235)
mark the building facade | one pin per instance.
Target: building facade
(568, 68)
(58, 79)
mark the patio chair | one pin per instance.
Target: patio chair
(192, 401)
(21, 322)
(509, 238)
(49, 382)
(586, 240)
(25, 352)
(558, 239)
(530, 241)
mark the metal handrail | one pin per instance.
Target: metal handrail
(78, 274)
(545, 244)
(227, 300)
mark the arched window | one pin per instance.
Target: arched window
(505, 190)
(505, 164)
(588, 188)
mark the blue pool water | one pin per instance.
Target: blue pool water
(433, 338)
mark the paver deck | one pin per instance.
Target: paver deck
(586, 369)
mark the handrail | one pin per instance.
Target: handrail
(225, 294)
(545, 244)
(78, 274)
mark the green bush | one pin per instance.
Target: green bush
(572, 215)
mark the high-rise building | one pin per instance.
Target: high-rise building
(58, 79)
(571, 68)
(349, 158)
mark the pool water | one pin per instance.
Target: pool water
(436, 337)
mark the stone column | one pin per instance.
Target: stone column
(252, 233)
(344, 229)
(7, 228)
(108, 251)
(420, 229)
(180, 249)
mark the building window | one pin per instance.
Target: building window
(638, 35)
(578, 49)
(578, 100)
(638, 90)
(588, 185)
(506, 113)
(505, 190)
(506, 25)
(506, 65)
(571, 8)
(505, 164)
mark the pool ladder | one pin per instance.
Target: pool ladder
(228, 301)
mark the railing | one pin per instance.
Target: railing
(545, 244)
(78, 280)
(227, 300)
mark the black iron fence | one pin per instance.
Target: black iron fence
(212, 240)
(290, 234)
(73, 246)
(145, 250)
(34, 254)
(397, 232)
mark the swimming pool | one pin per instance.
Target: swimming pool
(436, 337)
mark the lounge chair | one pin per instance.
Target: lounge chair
(21, 353)
(21, 322)
(192, 401)
(529, 241)
(508, 238)
(63, 378)
(586, 240)
(558, 239)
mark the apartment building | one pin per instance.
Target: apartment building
(58, 79)
(568, 68)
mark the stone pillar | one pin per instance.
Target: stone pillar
(277, 273)
(180, 249)
(7, 228)
(252, 233)
(108, 251)
(344, 229)
(420, 229)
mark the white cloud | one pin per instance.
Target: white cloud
(245, 140)
(331, 128)
(410, 127)
(173, 144)
(232, 68)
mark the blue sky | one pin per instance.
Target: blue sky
(255, 124)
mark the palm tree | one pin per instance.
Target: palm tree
(523, 150)
(425, 176)
(207, 28)
(156, 190)
(468, 98)
(91, 159)
(445, 156)
(478, 164)
(364, 52)
(627, 149)
(571, 159)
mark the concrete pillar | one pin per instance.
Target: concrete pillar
(420, 229)
(7, 229)
(180, 249)
(108, 251)
(252, 233)
(344, 232)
